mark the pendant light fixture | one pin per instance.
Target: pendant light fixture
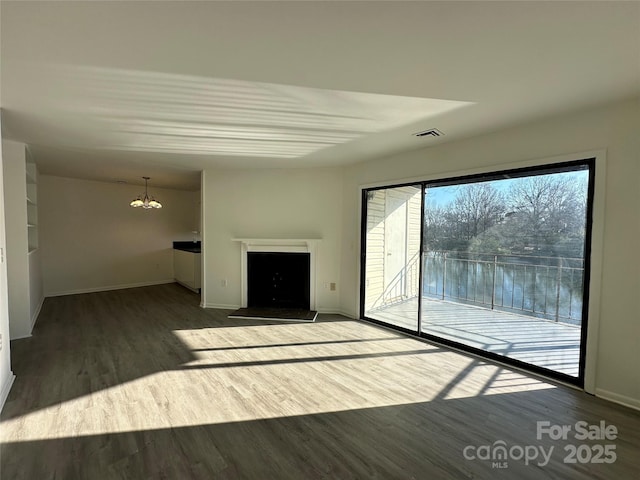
(145, 201)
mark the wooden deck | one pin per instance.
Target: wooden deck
(544, 343)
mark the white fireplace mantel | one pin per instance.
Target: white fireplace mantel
(294, 245)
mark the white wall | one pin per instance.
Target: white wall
(615, 128)
(6, 375)
(304, 203)
(91, 239)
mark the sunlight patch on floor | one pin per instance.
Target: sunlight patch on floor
(287, 370)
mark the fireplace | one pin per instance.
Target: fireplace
(304, 248)
(278, 280)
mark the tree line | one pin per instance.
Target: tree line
(541, 216)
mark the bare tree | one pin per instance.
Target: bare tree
(436, 234)
(540, 215)
(476, 208)
(545, 211)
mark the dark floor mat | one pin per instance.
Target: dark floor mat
(287, 314)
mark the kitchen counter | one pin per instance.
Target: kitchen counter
(192, 247)
(186, 264)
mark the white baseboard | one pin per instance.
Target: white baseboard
(350, 314)
(220, 306)
(34, 317)
(6, 388)
(617, 398)
(323, 311)
(21, 337)
(108, 288)
(188, 287)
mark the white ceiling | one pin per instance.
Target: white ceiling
(117, 90)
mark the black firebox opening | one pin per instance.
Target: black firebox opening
(278, 280)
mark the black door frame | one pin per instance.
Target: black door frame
(589, 163)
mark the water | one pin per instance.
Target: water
(539, 289)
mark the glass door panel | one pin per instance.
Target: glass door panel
(504, 266)
(392, 259)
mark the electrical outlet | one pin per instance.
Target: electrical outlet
(224, 282)
(332, 287)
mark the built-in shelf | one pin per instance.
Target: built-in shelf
(24, 277)
(32, 192)
(31, 172)
(31, 167)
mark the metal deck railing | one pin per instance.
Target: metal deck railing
(543, 287)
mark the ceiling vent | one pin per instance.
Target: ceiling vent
(432, 132)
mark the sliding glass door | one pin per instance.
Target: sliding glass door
(496, 264)
(392, 233)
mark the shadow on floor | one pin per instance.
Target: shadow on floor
(89, 342)
(412, 441)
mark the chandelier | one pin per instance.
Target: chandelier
(145, 201)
